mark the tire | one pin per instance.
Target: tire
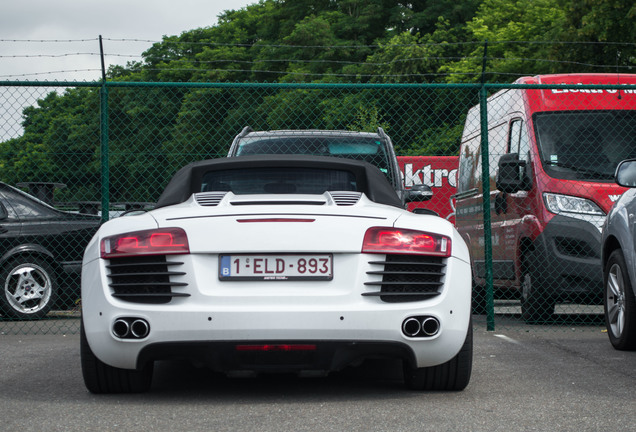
(29, 288)
(102, 378)
(619, 303)
(453, 375)
(536, 306)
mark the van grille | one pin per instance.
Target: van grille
(407, 278)
(144, 279)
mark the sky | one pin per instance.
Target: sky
(63, 20)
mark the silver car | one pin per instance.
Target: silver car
(619, 262)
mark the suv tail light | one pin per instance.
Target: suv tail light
(388, 240)
(167, 241)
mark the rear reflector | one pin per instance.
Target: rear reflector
(277, 347)
(274, 220)
(389, 240)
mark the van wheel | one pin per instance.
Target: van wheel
(102, 378)
(453, 375)
(536, 307)
(619, 304)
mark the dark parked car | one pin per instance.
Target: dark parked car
(41, 252)
(619, 262)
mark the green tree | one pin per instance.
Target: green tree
(517, 33)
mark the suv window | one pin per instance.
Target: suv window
(367, 149)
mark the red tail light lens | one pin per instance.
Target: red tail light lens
(390, 240)
(167, 241)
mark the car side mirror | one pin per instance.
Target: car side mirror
(511, 175)
(419, 193)
(3, 212)
(626, 173)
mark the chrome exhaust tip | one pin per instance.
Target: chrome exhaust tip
(430, 326)
(411, 327)
(140, 328)
(121, 328)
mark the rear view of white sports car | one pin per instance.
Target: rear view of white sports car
(273, 264)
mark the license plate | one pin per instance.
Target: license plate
(276, 267)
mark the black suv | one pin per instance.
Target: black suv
(41, 252)
(375, 148)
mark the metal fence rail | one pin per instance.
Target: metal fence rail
(103, 148)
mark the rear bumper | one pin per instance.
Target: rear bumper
(343, 328)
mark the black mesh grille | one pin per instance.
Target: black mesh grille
(407, 278)
(144, 279)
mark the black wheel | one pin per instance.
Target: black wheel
(536, 306)
(102, 378)
(453, 375)
(29, 288)
(619, 303)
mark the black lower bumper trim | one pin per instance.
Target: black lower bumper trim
(224, 356)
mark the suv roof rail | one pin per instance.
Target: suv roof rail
(245, 131)
(381, 132)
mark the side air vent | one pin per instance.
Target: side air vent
(407, 278)
(345, 198)
(209, 199)
(144, 279)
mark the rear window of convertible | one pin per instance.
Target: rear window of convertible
(279, 180)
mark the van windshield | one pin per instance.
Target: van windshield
(585, 145)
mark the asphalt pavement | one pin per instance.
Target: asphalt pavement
(537, 379)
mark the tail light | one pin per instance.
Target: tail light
(388, 240)
(167, 241)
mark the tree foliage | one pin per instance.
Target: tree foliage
(154, 131)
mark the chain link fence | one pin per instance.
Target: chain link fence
(87, 152)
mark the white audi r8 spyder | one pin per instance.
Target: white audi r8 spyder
(273, 264)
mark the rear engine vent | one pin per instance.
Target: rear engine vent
(209, 199)
(407, 278)
(345, 198)
(144, 279)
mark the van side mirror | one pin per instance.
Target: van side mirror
(418, 193)
(626, 173)
(511, 175)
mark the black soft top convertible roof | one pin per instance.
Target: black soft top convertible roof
(370, 180)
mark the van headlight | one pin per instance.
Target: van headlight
(567, 205)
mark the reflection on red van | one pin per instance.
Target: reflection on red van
(552, 156)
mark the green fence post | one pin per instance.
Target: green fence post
(485, 176)
(104, 151)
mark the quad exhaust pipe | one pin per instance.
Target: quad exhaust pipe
(421, 326)
(131, 328)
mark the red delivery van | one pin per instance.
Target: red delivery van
(552, 156)
(438, 172)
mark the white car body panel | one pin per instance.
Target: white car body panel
(238, 311)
